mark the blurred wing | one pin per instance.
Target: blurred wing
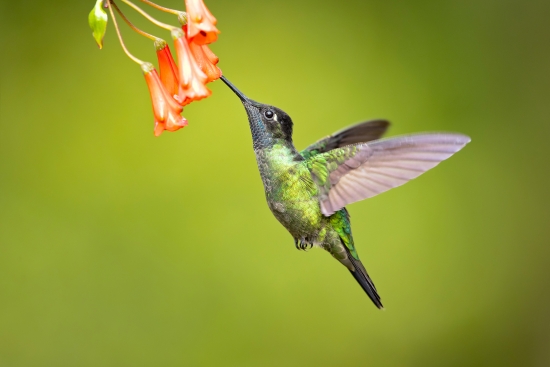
(360, 133)
(362, 171)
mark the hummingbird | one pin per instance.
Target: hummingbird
(307, 191)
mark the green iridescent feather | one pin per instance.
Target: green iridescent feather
(322, 165)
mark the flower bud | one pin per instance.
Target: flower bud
(97, 19)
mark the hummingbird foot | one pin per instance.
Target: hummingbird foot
(302, 244)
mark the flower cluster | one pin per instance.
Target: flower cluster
(177, 83)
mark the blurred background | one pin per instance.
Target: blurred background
(121, 249)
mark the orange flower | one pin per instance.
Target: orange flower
(202, 24)
(166, 110)
(205, 59)
(213, 58)
(212, 71)
(167, 67)
(191, 77)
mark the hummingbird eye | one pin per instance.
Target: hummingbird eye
(268, 114)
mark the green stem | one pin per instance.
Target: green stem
(136, 29)
(161, 8)
(132, 57)
(150, 18)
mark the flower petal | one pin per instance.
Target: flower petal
(211, 70)
(167, 68)
(201, 23)
(211, 56)
(165, 109)
(191, 78)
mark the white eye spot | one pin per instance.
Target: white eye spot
(275, 117)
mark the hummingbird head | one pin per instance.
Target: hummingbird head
(268, 124)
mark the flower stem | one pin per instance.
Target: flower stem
(161, 8)
(150, 18)
(136, 29)
(132, 57)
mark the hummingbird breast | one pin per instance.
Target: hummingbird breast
(290, 192)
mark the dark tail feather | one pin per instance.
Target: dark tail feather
(360, 274)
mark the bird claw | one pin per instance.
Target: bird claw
(302, 244)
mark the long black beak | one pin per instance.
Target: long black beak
(234, 89)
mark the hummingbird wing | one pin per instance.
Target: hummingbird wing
(360, 133)
(356, 172)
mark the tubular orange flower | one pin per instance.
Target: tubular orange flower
(205, 59)
(191, 77)
(212, 71)
(165, 109)
(202, 24)
(211, 56)
(167, 67)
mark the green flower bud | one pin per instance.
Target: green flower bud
(98, 22)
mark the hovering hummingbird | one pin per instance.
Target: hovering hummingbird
(307, 190)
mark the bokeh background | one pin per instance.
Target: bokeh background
(121, 249)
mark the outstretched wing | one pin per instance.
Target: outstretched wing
(356, 172)
(360, 133)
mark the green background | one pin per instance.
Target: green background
(121, 249)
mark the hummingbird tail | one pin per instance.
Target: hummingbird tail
(360, 274)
